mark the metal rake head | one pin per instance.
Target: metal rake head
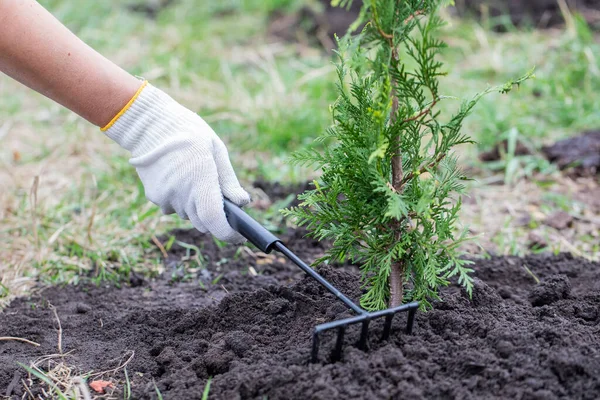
(364, 319)
(267, 242)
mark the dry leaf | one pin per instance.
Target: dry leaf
(264, 261)
(99, 386)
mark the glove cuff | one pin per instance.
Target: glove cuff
(149, 119)
(124, 109)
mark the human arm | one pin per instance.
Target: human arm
(183, 165)
(40, 52)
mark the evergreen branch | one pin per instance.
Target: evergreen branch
(371, 200)
(422, 113)
(411, 175)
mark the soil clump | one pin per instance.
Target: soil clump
(316, 25)
(578, 155)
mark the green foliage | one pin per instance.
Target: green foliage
(383, 218)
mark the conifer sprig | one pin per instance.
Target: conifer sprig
(390, 191)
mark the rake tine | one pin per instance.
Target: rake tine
(411, 320)
(267, 242)
(387, 327)
(315, 347)
(337, 352)
(364, 333)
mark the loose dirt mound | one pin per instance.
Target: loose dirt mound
(251, 334)
(312, 25)
(538, 13)
(579, 155)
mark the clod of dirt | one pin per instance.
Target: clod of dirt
(239, 342)
(552, 289)
(311, 26)
(82, 308)
(150, 8)
(484, 295)
(535, 239)
(524, 219)
(505, 348)
(579, 155)
(559, 220)
(502, 148)
(566, 364)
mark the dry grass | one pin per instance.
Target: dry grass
(49, 196)
(54, 376)
(510, 218)
(56, 163)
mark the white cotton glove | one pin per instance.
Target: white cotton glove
(182, 163)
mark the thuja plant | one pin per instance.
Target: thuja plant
(390, 191)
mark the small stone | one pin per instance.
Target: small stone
(523, 219)
(535, 239)
(559, 220)
(505, 348)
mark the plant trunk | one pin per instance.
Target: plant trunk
(397, 273)
(396, 284)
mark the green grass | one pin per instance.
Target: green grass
(206, 391)
(54, 390)
(561, 101)
(223, 48)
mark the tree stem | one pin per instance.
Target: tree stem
(396, 273)
(396, 284)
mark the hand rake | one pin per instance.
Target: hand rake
(266, 242)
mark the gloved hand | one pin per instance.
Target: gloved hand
(183, 165)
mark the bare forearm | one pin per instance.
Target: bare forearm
(37, 50)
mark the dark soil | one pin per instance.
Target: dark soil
(317, 25)
(501, 148)
(312, 25)
(539, 13)
(579, 155)
(515, 339)
(149, 8)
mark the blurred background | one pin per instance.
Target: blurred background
(260, 73)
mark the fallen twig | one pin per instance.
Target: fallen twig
(60, 351)
(160, 246)
(112, 371)
(18, 339)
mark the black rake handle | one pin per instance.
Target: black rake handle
(256, 234)
(259, 236)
